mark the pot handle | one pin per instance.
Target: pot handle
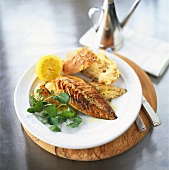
(93, 11)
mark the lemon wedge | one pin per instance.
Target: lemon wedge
(49, 67)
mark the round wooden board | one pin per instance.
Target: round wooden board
(123, 143)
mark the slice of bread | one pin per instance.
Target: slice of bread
(79, 60)
(105, 70)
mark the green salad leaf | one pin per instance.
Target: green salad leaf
(51, 110)
(51, 114)
(55, 128)
(63, 98)
(76, 121)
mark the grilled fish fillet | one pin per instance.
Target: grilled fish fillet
(107, 91)
(83, 96)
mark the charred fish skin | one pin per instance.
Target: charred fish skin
(84, 97)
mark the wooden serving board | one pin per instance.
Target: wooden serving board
(123, 143)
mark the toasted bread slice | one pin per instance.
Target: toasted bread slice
(79, 60)
(107, 91)
(105, 70)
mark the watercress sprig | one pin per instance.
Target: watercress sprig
(49, 113)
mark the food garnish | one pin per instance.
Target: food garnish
(51, 114)
(49, 67)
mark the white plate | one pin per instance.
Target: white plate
(91, 132)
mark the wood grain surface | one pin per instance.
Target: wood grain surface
(123, 143)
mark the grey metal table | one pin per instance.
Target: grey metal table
(30, 29)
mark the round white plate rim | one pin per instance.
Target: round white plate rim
(91, 141)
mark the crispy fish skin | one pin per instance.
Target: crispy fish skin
(83, 96)
(107, 91)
